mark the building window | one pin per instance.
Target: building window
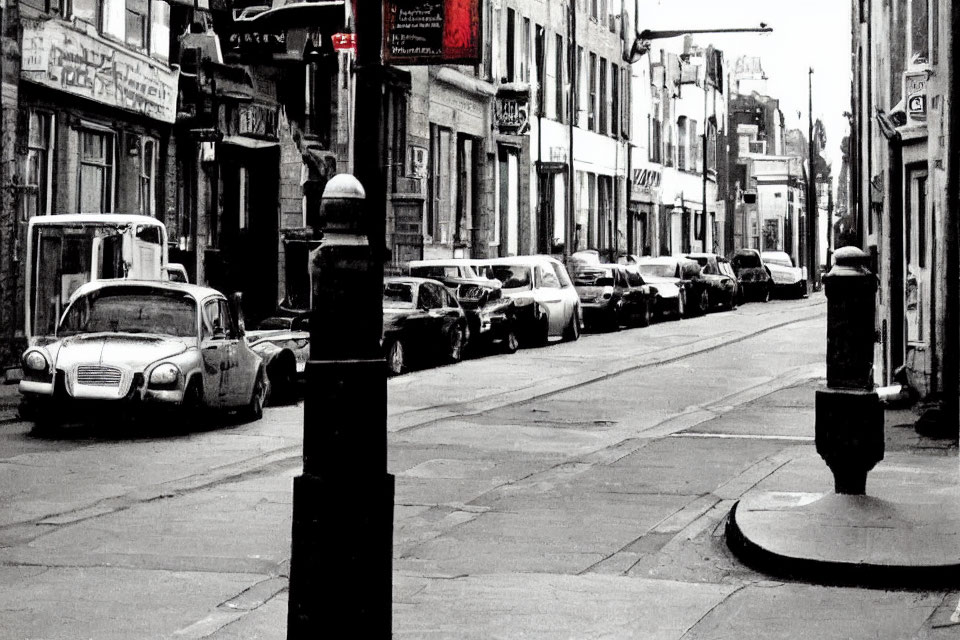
(594, 8)
(38, 170)
(603, 96)
(682, 142)
(440, 184)
(136, 19)
(96, 172)
(148, 177)
(47, 6)
(87, 11)
(540, 45)
(160, 30)
(579, 87)
(919, 33)
(615, 100)
(592, 88)
(696, 151)
(625, 90)
(656, 142)
(525, 51)
(561, 111)
(511, 60)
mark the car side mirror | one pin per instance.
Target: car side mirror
(236, 310)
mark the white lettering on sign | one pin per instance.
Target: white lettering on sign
(56, 56)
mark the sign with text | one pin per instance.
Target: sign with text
(511, 111)
(255, 120)
(419, 32)
(915, 89)
(252, 42)
(59, 57)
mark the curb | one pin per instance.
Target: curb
(838, 574)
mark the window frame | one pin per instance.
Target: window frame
(108, 164)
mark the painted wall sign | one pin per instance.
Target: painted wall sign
(512, 112)
(645, 184)
(419, 32)
(56, 56)
(255, 120)
(256, 43)
(915, 89)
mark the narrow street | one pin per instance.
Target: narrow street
(576, 490)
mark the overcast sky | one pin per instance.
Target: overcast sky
(806, 33)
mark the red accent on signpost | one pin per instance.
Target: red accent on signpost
(420, 32)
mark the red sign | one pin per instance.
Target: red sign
(417, 32)
(344, 42)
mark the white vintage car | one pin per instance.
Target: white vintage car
(127, 344)
(788, 280)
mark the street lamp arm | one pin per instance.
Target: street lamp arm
(641, 44)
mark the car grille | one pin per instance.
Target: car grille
(99, 376)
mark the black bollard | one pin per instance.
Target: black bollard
(849, 417)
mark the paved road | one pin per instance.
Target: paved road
(572, 491)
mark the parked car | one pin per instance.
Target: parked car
(788, 280)
(682, 272)
(490, 316)
(422, 322)
(609, 300)
(665, 298)
(452, 272)
(284, 345)
(126, 344)
(752, 274)
(716, 272)
(544, 297)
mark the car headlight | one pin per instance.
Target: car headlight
(164, 375)
(35, 362)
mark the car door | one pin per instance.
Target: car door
(570, 298)
(553, 299)
(451, 313)
(237, 383)
(214, 352)
(431, 330)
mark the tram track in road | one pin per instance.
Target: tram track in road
(411, 420)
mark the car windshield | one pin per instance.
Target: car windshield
(746, 261)
(512, 276)
(398, 295)
(275, 323)
(171, 313)
(655, 270)
(781, 259)
(704, 263)
(593, 277)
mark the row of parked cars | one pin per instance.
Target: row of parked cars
(446, 307)
(155, 344)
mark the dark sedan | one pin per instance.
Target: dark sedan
(422, 322)
(683, 272)
(490, 316)
(608, 298)
(754, 277)
(721, 281)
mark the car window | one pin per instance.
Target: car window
(131, 311)
(746, 261)
(689, 270)
(621, 278)
(634, 279)
(513, 276)
(397, 295)
(213, 324)
(548, 278)
(656, 270)
(229, 324)
(429, 297)
(437, 272)
(449, 300)
(562, 275)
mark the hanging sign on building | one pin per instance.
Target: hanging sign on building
(420, 32)
(512, 110)
(57, 56)
(254, 120)
(645, 184)
(915, 89)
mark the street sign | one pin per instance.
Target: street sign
(423, 32)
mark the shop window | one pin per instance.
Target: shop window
(148, 177)
(39, 164)
(96, 171)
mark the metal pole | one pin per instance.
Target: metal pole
(568, 247)
(812, 212)
(703, 224)
(342, 536)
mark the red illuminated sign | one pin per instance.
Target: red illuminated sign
(344, 42)
(431, 32)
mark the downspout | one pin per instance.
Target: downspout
(951, 315)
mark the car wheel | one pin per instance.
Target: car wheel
(44, 424)
(703, 305)
(765, 296)
(254, 409)
(646, 315)
(283, 381)
(455, 353)
(510, 343)
(732, 304)
(396, 358)
(802, 289)
(191, 407)
(572, 332)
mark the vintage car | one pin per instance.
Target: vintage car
(490, 316)
(721, 281)
(284, 345)
(126, 344)
(546, 302)
(685, 274)
(665, 298)
(752, 274)
(788, 280)
(422, 322)
(452, 272)
(608, 298)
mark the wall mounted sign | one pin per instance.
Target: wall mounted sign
(915, 89)
(420, 32)
(254, 120)
(345, 42)
(253, 42)
(512, 111)
(57, 56)
(645, 184)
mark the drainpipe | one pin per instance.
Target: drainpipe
(951, 315)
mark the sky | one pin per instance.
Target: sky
(809, 33)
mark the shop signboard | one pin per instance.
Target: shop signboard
(255, 120)
(57, 56)
(645, 184)
(423, 32)
(512, 111)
